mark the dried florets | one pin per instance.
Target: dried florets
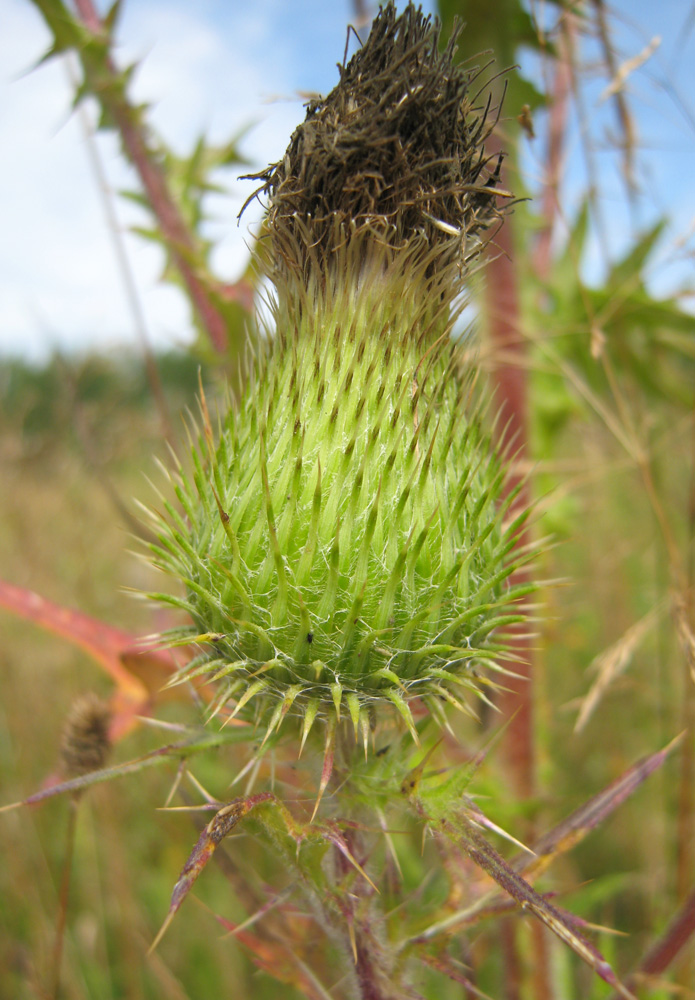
(396, 149)
(86, 743)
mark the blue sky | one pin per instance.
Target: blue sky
(215, 66)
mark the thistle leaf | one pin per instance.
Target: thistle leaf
(222, 823)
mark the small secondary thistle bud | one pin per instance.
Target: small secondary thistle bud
(342, 544)
(86, 744)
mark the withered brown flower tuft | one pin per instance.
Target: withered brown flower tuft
(396, 148)
(86, 743)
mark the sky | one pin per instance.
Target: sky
(217, 66)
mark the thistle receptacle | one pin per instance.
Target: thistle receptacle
(342, 543)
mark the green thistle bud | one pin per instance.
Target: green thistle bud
(342, 543)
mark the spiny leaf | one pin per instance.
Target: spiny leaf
(101, 641)
(327, 768)
(460, 830)
(176, 751)
(139, 673)
(573, 829)
(222, 823)
(67, 31)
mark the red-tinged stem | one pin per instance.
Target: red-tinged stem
(669, 946)
(557, 128)
(374, 981)
(126, 273)
(367, 971)
(686, 797)
(510, 957)
(176, 233)
(686, 794)
(516, 702)
(542, 988)
(675, 938)
(509, 379)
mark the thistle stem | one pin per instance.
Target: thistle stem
(516, 701)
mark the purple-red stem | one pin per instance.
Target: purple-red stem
(504, 314)
(505, 324)
(677, 935)
(509, 377)
(510, 957)
(557, 128)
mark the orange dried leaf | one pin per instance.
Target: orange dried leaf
(138, 673)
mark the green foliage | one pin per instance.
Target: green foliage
(190, 180)
(499, 38)
(41, 401)
(618, 330)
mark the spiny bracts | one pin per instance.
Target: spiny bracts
(345, 540)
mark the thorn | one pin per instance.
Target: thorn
(337, 693)
(353, 704)
(275, 721)
(207, 424)
(327, 769)
(160, 934)
(210, 799)
(397, 699)
(353, 940)
(309, 716)
(246, 698)
(364, 726)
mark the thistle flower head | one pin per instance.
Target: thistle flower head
(342, 542)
